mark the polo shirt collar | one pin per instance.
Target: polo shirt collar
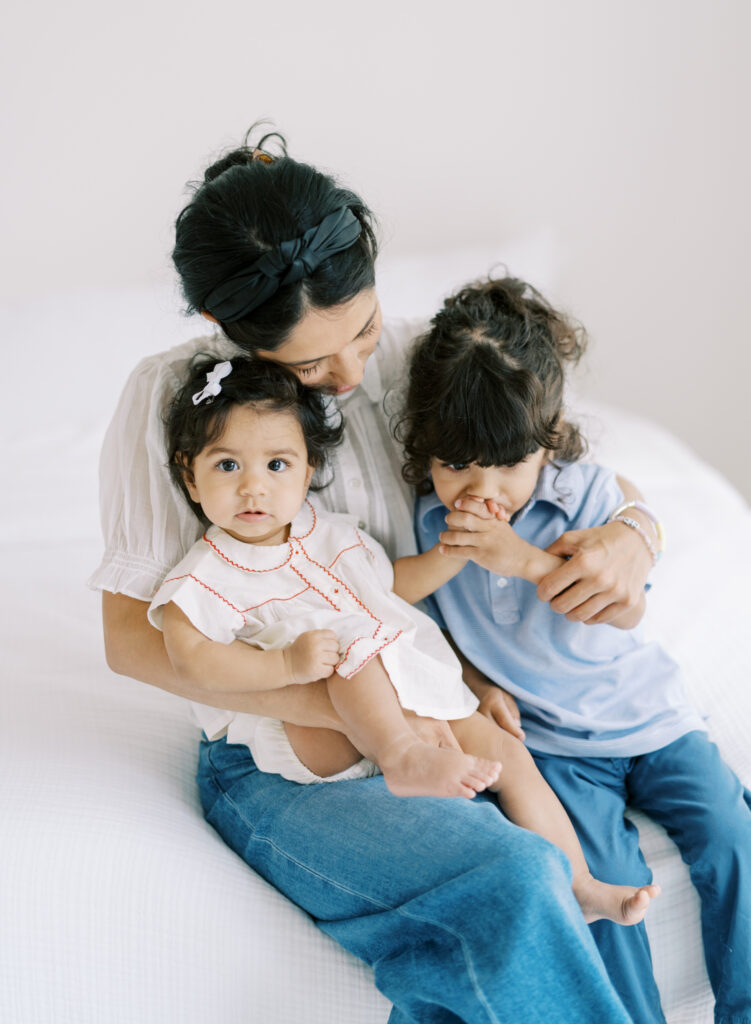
(558, 485)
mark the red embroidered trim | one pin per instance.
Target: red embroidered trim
(362, 542)
(311, 587)
(350, 548)
(341, 583)
(190, 576)
(251, 607)
(245, 568)
(370, 657)
(315, 520)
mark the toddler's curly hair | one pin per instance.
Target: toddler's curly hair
(485, 383)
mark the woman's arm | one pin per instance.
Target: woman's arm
(133, 647)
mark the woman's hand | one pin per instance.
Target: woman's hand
(603, 579)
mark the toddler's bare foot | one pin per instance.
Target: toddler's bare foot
(624, 904)
(419, 769)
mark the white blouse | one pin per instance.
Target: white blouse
(148, 525)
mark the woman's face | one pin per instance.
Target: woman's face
(328, 348)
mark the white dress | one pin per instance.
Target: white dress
(329, 575)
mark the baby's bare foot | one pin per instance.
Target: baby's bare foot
(624, 904)
(419, 769)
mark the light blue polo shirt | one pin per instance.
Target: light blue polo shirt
(583, 691)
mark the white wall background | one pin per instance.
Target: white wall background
(619, 130)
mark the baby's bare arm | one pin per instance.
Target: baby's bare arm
(312, 656)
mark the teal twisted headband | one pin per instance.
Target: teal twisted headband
(286, 263)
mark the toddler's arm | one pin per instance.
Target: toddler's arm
(416, 576)
(312, 656)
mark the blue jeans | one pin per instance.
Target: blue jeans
(463, 916)
(688, 789)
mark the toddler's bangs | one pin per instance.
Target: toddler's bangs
(491, 421)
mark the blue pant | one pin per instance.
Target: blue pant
(688, 789)
(463, 916)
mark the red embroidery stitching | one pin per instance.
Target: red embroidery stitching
(190, 576)
(369, 657)
(245, 567)
(251, 607)
(315, 520)
(362, 542)
(310, 586)
(344, 550)
(341, 582)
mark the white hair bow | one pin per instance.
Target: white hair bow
(213, 387)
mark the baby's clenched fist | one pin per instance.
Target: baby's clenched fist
(312, 656)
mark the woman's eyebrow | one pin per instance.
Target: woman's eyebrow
(363, 329)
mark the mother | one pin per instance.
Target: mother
(463, 916)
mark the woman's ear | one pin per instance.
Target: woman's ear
(205, 313)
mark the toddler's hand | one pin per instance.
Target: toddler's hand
(500, 707)
(312, 656)
(480, 531)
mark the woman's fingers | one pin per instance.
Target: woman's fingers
(559, 580)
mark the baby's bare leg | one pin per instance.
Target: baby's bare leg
(527, 799)
(323, 751)
(375, 723)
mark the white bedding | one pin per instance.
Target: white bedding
(118, 903)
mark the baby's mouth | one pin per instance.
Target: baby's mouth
(250, 515)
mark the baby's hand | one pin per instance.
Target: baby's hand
(312, 656)
(480, 531)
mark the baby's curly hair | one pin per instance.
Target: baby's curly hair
(485, 383)
(252, 382)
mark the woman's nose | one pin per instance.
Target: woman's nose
(347, 368)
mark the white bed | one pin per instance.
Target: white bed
(119, 903)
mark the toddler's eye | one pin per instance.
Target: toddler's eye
(457, 467)
(227, 465)
(277, 465)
